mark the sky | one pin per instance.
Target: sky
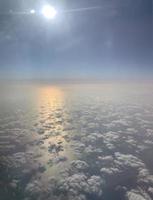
(114, 41)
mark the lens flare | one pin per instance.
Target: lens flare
(32, 11)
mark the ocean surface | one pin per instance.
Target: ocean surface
(76, 141)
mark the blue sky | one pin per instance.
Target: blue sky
(114, 41)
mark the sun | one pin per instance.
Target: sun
(49, 11)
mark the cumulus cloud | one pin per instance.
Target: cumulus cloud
(79, 165)
(78, 146)
(106, 160)
(34, 189)
(128, 160)
(137, 195)
(134, 196)
(111, 137)
(19, 158)
(108, 141)
(92, 138)
(79, 184)
(109, 171)
(120, 167)
(150, 191)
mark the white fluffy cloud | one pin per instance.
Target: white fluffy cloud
(79, 184)
(137, 195)
(79, 165)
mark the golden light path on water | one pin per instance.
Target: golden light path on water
(51, 102)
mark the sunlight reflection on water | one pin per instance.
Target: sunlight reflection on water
(47, 126)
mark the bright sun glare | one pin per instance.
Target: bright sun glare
(49, 12)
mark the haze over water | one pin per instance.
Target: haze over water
(76, 141)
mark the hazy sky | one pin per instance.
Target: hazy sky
(114, 41)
